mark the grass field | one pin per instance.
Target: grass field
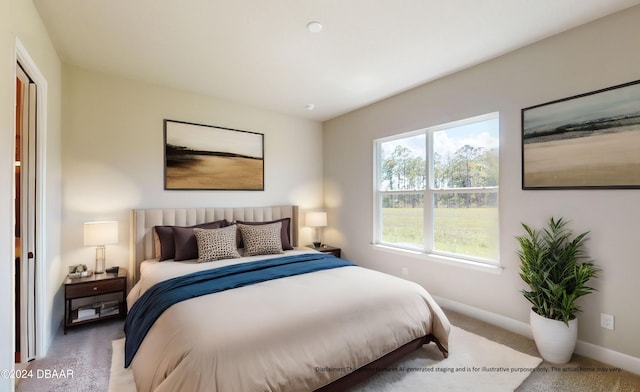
(465, 231)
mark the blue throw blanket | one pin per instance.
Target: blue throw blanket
(161, 296)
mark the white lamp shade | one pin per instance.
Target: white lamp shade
(100, 233)
(316, 219)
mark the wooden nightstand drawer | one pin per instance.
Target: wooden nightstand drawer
(94, 288)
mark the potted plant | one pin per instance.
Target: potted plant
(557, 269)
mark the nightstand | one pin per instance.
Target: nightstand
(327, 249)
(82, 298)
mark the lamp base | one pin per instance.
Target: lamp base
(317, 244)
(100, 259)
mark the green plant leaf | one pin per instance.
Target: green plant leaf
(557, 269)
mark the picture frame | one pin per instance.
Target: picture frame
(208, 157)
(587, 141)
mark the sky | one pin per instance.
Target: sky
(449, 140)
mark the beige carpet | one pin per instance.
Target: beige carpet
(474, 364)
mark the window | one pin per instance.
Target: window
(436, 190)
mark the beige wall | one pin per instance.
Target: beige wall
(591, 57)
(19, 19)
(113, 155)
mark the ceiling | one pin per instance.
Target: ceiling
(260, 53)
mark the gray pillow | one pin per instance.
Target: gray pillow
(216, 244)
(262, 239)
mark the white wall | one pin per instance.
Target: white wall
(19, 19)
(113, 155)
(591, 57)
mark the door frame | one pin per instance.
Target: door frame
(26, 214)
(29, 66)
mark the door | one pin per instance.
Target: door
(25, 217)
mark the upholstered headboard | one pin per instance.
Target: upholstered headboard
(144, 220)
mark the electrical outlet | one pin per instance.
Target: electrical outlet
(405, 271)
(607, 321)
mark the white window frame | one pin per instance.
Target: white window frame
(428, 194)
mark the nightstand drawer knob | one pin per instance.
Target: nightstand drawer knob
(95, 288)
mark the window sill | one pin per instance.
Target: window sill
(469, 264)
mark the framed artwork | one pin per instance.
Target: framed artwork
(206, 157)
(589, 141)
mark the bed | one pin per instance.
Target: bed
(319, 330)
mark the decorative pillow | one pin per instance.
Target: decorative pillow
(284, 232)
(186, 245)
(216, 244)
(167, 240)
(167, 244)
(261, 239)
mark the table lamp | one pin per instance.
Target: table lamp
(317, 219)
(99, 234)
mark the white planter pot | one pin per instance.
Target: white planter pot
(554, 340)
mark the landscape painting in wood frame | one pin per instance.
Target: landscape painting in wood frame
(206, 157)
(589, 141)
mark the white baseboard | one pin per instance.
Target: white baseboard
(611, 357)
(507, 323)
(602, 354)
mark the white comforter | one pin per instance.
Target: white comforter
(291, 334)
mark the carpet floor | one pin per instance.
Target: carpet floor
(87, 352)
